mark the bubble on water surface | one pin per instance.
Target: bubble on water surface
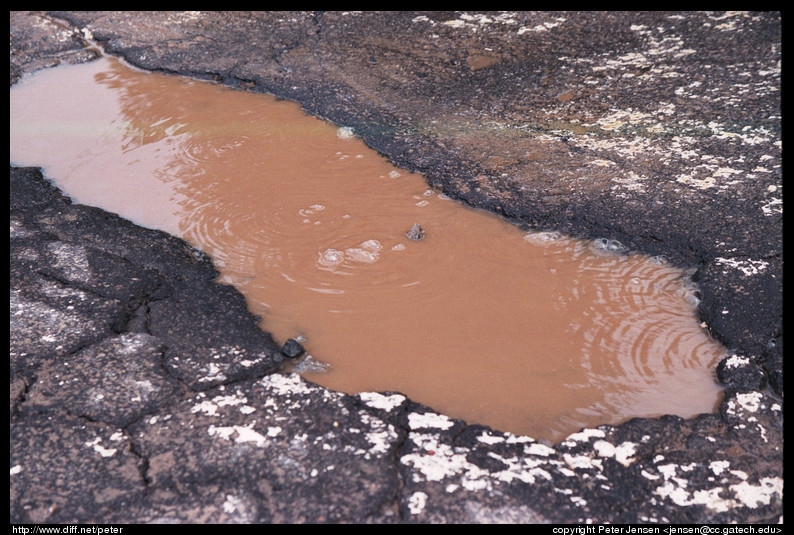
(611, 246)
(345, 132)
(367, 252)
(692, 294)
(310, 364)
(542, 237)
(331, 258)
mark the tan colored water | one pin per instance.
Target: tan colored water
(530, 333)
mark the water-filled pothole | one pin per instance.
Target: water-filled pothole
(532, 333)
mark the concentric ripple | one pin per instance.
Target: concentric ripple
(533, 333)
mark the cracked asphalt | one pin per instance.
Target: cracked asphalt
(142, 391)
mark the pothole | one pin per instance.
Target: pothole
(532, 333)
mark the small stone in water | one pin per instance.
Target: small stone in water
(292, 349)
(416, 232)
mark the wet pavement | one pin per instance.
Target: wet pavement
(141, 391)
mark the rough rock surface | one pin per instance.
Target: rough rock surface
(142, 391)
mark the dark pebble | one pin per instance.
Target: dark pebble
(292, 349)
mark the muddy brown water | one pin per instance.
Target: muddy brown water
(532, 333)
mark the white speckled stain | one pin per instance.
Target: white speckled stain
(16, 469)
(736, 361)
(71, 259)
(132, 342)
(145, 388)
(285, 384)
(761, 494)
(229, 401)
(476, 21)
(750, 401)
(648, 475)
(97, 447)
(526, 469)
(231, 504)
(429, 420)
(622, 453)
(546, 26)
(540, 450)
(718, 467)
(435, 461)
(384, 402)
(213, 374)
(773, 207)
(416, 502)
(382, 435)
(748, 267)
(584, 462)
(240, 434)
(487, 438)
(716, 498)
(583, 436)
(239, 508)
(207, 407)
(746, 494)
(444, 462)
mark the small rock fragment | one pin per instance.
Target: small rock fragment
(416, 233)
(292, 349)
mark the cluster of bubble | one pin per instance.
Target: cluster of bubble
(690, 290)
(311, 210)
(366, 252)
(542, 237)
(612, 246)
(345, 132)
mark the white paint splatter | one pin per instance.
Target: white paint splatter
(97, 447)
(417, 502)
(756, 495)
(750, 401)
(286, 384)
(213, 374)
(748, 267)
(583, 436)
(243, 434)
(429, 419)
(207, 407)
(736, 361)
(539, 449)
(622, 453)
(719, 467)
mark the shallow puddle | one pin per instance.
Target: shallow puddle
(532, 333)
